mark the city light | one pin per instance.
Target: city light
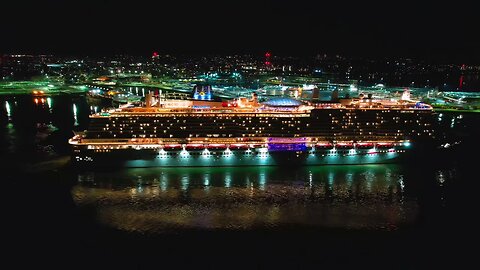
(74, 113)
(7, 107)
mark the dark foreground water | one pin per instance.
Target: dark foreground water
(416, 215)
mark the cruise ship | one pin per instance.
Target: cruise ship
(246, 132)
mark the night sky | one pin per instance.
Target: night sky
(401, 28)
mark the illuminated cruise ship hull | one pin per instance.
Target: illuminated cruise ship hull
(246, 133)
(180, 156)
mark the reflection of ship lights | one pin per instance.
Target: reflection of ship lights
(7, 107)
(75, 114)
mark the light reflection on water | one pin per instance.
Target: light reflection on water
(154, 200)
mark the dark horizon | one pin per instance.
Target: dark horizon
(444, 33)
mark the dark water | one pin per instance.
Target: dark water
(420, 214)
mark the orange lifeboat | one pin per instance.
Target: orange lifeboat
(364, 145)
(385, 145)
(238, 146)
(217, 146)
(345, 145)
(324, 145)
(171, 147)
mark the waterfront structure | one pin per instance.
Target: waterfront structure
(247, 132)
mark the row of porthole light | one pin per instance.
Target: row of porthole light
(370, 151)
(265, 151)
(206, 152)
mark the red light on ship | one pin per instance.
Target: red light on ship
(345, 145)
(216, 146)
(268, 54)
(172, 146)
(384, 145)
(364, 144)
(238, 146)
(324, 145)
(194, 146)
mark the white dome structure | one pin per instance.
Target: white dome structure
(283, 102)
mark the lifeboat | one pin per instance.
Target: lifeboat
(364, 145)
(238, 146)
(347, 145)
(324, 145)
(257, 145)
(171, 147)
(217, 146)
(194, 146)
(385, 145)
